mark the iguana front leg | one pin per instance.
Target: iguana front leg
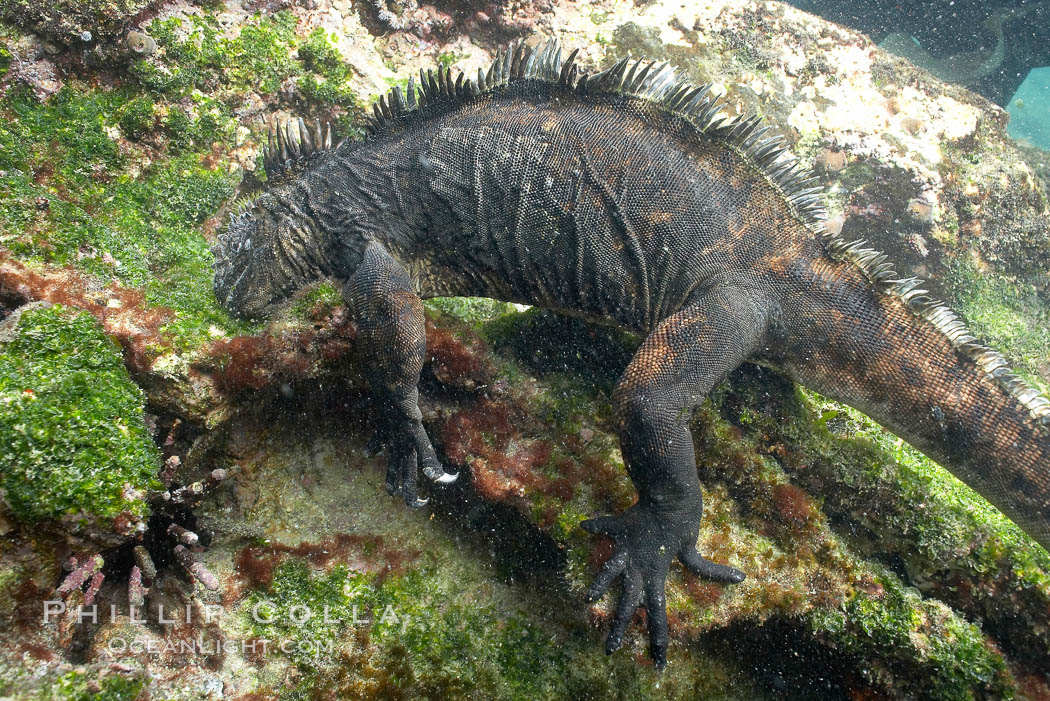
(391, 339)
(674, 369)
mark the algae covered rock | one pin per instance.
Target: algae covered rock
(74, 23)
(76, 446)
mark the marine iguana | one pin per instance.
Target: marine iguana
(624, 196)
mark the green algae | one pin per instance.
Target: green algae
(260, 58)
(90, 212)
(475, 311)
(78, 685)
(308, 613)
(326, 72)
(71, 421)
(136, 117)
(10, 577)
(886, 499)
(407, 633)
(265, 54)
(121, 180)
(481, 616)
(899, 639)
(1008, 314)
(950, 657)
(938, 518)
(316, 301)
(199, 57)
(928, 513)
(447, 59)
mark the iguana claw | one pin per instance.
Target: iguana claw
(441, 477)
(647, 540)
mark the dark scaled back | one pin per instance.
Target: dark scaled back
(639, 78)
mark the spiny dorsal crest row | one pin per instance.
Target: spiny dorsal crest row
(745, 135)
(287, 150)
(517, 62)
(647, 80)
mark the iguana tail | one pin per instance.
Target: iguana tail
(880, 345)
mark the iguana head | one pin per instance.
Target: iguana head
(248, 279)
(270, 248)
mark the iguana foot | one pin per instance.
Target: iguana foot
(647, 538)
(410, 448)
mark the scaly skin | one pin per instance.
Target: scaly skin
(620, 197)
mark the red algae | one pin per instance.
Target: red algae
(453, 362)
(701, 592)
(793, 505)
(254, 362)
(503, 462)
(244, 366)
(254, 564)
(121, 311)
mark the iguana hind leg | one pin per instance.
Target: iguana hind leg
(391, 339)
(674, 369)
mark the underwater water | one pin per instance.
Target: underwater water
(1029, 108)
(996, 44)
(1000, 50)
(524, 384)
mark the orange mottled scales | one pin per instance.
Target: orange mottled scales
(626, 197)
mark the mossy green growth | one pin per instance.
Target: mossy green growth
(9, 579)
(415, 635)
(447, 59)
(71, 422)
(199, 57)
(917, 508)
(261, 55)
(317, 300)
(193, 60)
(884, 496)
(308, 613)
(66, 197)
(136, 117)
(460, 646)
(952, 516)
(74, 192)
(476, 311)
(266, 53)
(895, 625)
(206, 122)
(327, 73)
(1010, 316)
(78, 685)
